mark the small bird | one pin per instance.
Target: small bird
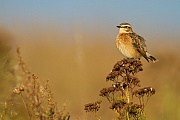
(131, 45)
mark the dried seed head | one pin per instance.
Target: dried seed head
(149, 91)
(124, 67)
(92, 107)
(118, 104)
(134, 109)
(17, 91)
(22, 87)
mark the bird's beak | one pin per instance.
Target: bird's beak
(118, 26)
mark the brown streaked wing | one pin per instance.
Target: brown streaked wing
(139, 44)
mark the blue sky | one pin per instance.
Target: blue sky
(143, 15)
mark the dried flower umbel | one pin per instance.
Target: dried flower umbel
(94, 108)
(124, 90)
(123, 76)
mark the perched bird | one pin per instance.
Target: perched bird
(131, 45)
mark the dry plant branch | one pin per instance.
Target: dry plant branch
(37, 98)
(122, 92)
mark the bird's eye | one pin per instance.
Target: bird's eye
(127, 27)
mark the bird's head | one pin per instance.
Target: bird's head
(125, 28)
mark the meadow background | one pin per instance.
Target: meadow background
(72, 43)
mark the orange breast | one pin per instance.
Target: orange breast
(124, 44)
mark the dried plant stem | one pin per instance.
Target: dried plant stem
(37, 98)
(25, 105)
(4, 113)
(97, 116)
(127, 95)
(128, 100)
(108, 99)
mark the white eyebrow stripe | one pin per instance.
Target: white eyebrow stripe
(125, 25)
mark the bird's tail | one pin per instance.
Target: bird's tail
(150, 57)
